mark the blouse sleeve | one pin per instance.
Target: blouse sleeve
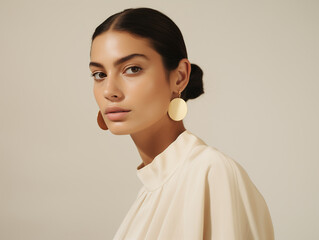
(234, 208)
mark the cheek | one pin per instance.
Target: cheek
(153, 96)
(97, 95)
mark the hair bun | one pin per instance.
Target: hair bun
(194, 87)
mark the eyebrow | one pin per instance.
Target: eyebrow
(120, 61)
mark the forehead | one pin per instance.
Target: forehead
(115, 44)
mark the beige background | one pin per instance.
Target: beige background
(61, 177)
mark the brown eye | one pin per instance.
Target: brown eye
(133, 70)
(98, 75)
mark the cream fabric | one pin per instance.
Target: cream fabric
(193, 191)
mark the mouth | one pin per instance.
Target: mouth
(115, 109)
(116, 114)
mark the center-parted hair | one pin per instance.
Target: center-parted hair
(164, 36)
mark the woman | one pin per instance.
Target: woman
(142, 79)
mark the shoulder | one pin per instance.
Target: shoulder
(216, 167)
(210, 158)
(232, 204)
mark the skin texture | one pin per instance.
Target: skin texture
(139, 84)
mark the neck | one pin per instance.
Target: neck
(152, 141)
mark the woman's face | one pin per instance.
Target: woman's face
(129, 74)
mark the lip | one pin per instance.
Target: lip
(116, 113)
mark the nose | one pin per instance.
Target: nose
(112, 89)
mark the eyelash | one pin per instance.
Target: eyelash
(139, 69)
(94, 76)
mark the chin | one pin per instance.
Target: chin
(118, 131)
(121, 128)
(118, 128)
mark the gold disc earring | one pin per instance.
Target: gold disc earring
(101, 122)
(177, 109)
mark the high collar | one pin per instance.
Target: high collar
(156, 173)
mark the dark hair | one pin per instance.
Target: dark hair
(165, 37)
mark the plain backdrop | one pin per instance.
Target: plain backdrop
(61, 177)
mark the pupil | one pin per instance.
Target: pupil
(134, 69)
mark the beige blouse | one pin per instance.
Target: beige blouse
(193, 191)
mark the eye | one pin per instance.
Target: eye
(132, 70)
(98, 75)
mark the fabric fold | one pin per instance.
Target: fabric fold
(194, 191)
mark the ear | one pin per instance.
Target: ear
(181, 76)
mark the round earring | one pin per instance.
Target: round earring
(177, 109)
(101, 122)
